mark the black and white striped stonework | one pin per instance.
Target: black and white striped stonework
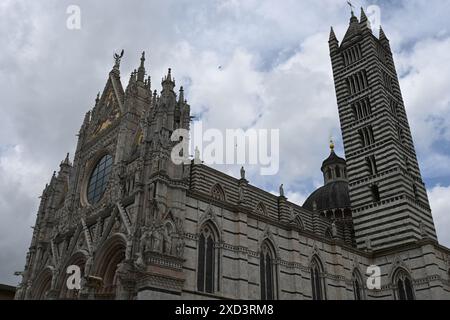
(388, 197)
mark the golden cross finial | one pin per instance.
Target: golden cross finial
(331, 144)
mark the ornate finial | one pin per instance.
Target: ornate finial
(181, 97)
(66, 160)
(331, 144)
(141, 69)
(98, 98)
(169, 75)
(142, 58)
(117, 58)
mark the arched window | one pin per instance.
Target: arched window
(267, 272)
(99, 179)
(299, 222)
(358, 286)
(338, 172)
(318, 292)
(208, 264)
(217, 192)
(329, 174)
(404, 285)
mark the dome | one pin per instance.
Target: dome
(333, 159)
(333, 195)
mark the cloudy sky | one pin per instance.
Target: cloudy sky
(244, 64)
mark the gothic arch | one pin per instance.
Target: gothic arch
(79, 259)
(208, 258)
(358, 285)
(209, 216)
(107, 257)
(318, 284)
(268, 270)
(217, 192)
(42, 284)
(402, 283)
(261, 209)
(299, 222)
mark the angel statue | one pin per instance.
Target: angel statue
(117, 59)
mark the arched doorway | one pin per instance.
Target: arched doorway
(77, 259)
(42, 284)
(109, 256)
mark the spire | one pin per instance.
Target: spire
(169, 75)
(384, 40)
(181, 96)
(332, 35)
(353, 29)
(363, 21)
(382, 36)
(353, 18)
(167, 82)
(66, 161)
(65, 164)
(363, 17)
(141, 70)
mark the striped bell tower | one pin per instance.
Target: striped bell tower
(388, 197)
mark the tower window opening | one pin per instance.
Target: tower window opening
(375, 193)
(338, 172)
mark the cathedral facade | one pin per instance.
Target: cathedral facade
(138, 226)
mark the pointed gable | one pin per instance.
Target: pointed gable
(110, 105)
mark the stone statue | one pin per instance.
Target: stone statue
(242, 173)
(167, 243)
(334, 231)
(157, 241)
(281, 191)
(197, 156)
(117, 59)
(179, 247)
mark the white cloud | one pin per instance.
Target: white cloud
(439, 199)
